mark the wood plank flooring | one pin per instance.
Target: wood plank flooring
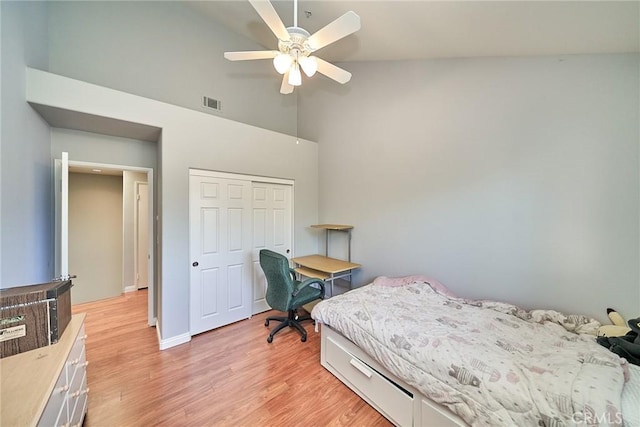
(227, 377)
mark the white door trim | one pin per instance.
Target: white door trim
(230, 175)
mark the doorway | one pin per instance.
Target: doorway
(145, 175)
(95, 234)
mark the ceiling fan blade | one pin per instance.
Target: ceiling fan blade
(270, 17)
(333, 72)
(286, 88)
(347, 24)
(251, 54)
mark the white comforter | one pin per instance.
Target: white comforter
(491, 363)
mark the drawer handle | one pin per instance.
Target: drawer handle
(360, 367)
(84, 337)
(64, 388)
(75, 394)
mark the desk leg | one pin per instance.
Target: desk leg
(331, 278)
(326, 244)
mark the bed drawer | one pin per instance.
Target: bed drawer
(435, 415)
(396, 404)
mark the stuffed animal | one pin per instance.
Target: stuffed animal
(627, 346)
(619, 327)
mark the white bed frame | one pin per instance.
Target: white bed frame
(400, 403)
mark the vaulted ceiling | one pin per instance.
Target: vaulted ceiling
(393, 30)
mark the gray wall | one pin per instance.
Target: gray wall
(191, 139)
(515, 179)
(168, 52)
(96, 148)
(26, 181)
(95, 236)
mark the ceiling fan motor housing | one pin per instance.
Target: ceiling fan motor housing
(297, 44)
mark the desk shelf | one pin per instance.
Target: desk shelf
(335, 227)
(316, 274)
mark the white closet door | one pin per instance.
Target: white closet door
(272, 229)
(220, 247)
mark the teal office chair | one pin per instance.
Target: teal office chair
(285, 293)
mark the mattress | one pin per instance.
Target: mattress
(631, 398)
(491, 363)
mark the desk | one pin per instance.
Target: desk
(324, 268)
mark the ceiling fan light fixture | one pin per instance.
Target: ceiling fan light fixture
(295, 78)
(309, 65)
(282, 62)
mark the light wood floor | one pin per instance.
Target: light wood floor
(229, 376)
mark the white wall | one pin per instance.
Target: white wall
(95, 236)
(169, 52)
(192, 140)
(26, 197)
(129, 202)
(514, 178)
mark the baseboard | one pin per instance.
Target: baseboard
(130, 288)
(173, 341)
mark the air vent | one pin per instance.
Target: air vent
(211, 103)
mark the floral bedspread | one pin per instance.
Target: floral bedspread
(491, 363)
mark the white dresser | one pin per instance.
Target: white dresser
(47, 386)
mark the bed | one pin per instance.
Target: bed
(422, 356)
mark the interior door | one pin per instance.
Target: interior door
(272, 229)
(220, 247)
(61, 197)
(142, 235)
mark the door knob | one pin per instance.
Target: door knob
(288, 250)
(195, 264)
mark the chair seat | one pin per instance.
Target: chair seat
(306, 295)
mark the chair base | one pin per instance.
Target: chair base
(292, 321)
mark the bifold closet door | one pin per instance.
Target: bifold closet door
(272, 229)
(220, 248)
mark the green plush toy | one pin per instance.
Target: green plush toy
(619, 327)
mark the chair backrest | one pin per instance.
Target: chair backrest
(280, 284)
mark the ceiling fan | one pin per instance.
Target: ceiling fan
(295, 46)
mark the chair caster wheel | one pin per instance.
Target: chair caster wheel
(269, 339)
(266, 323)
(303, 339)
